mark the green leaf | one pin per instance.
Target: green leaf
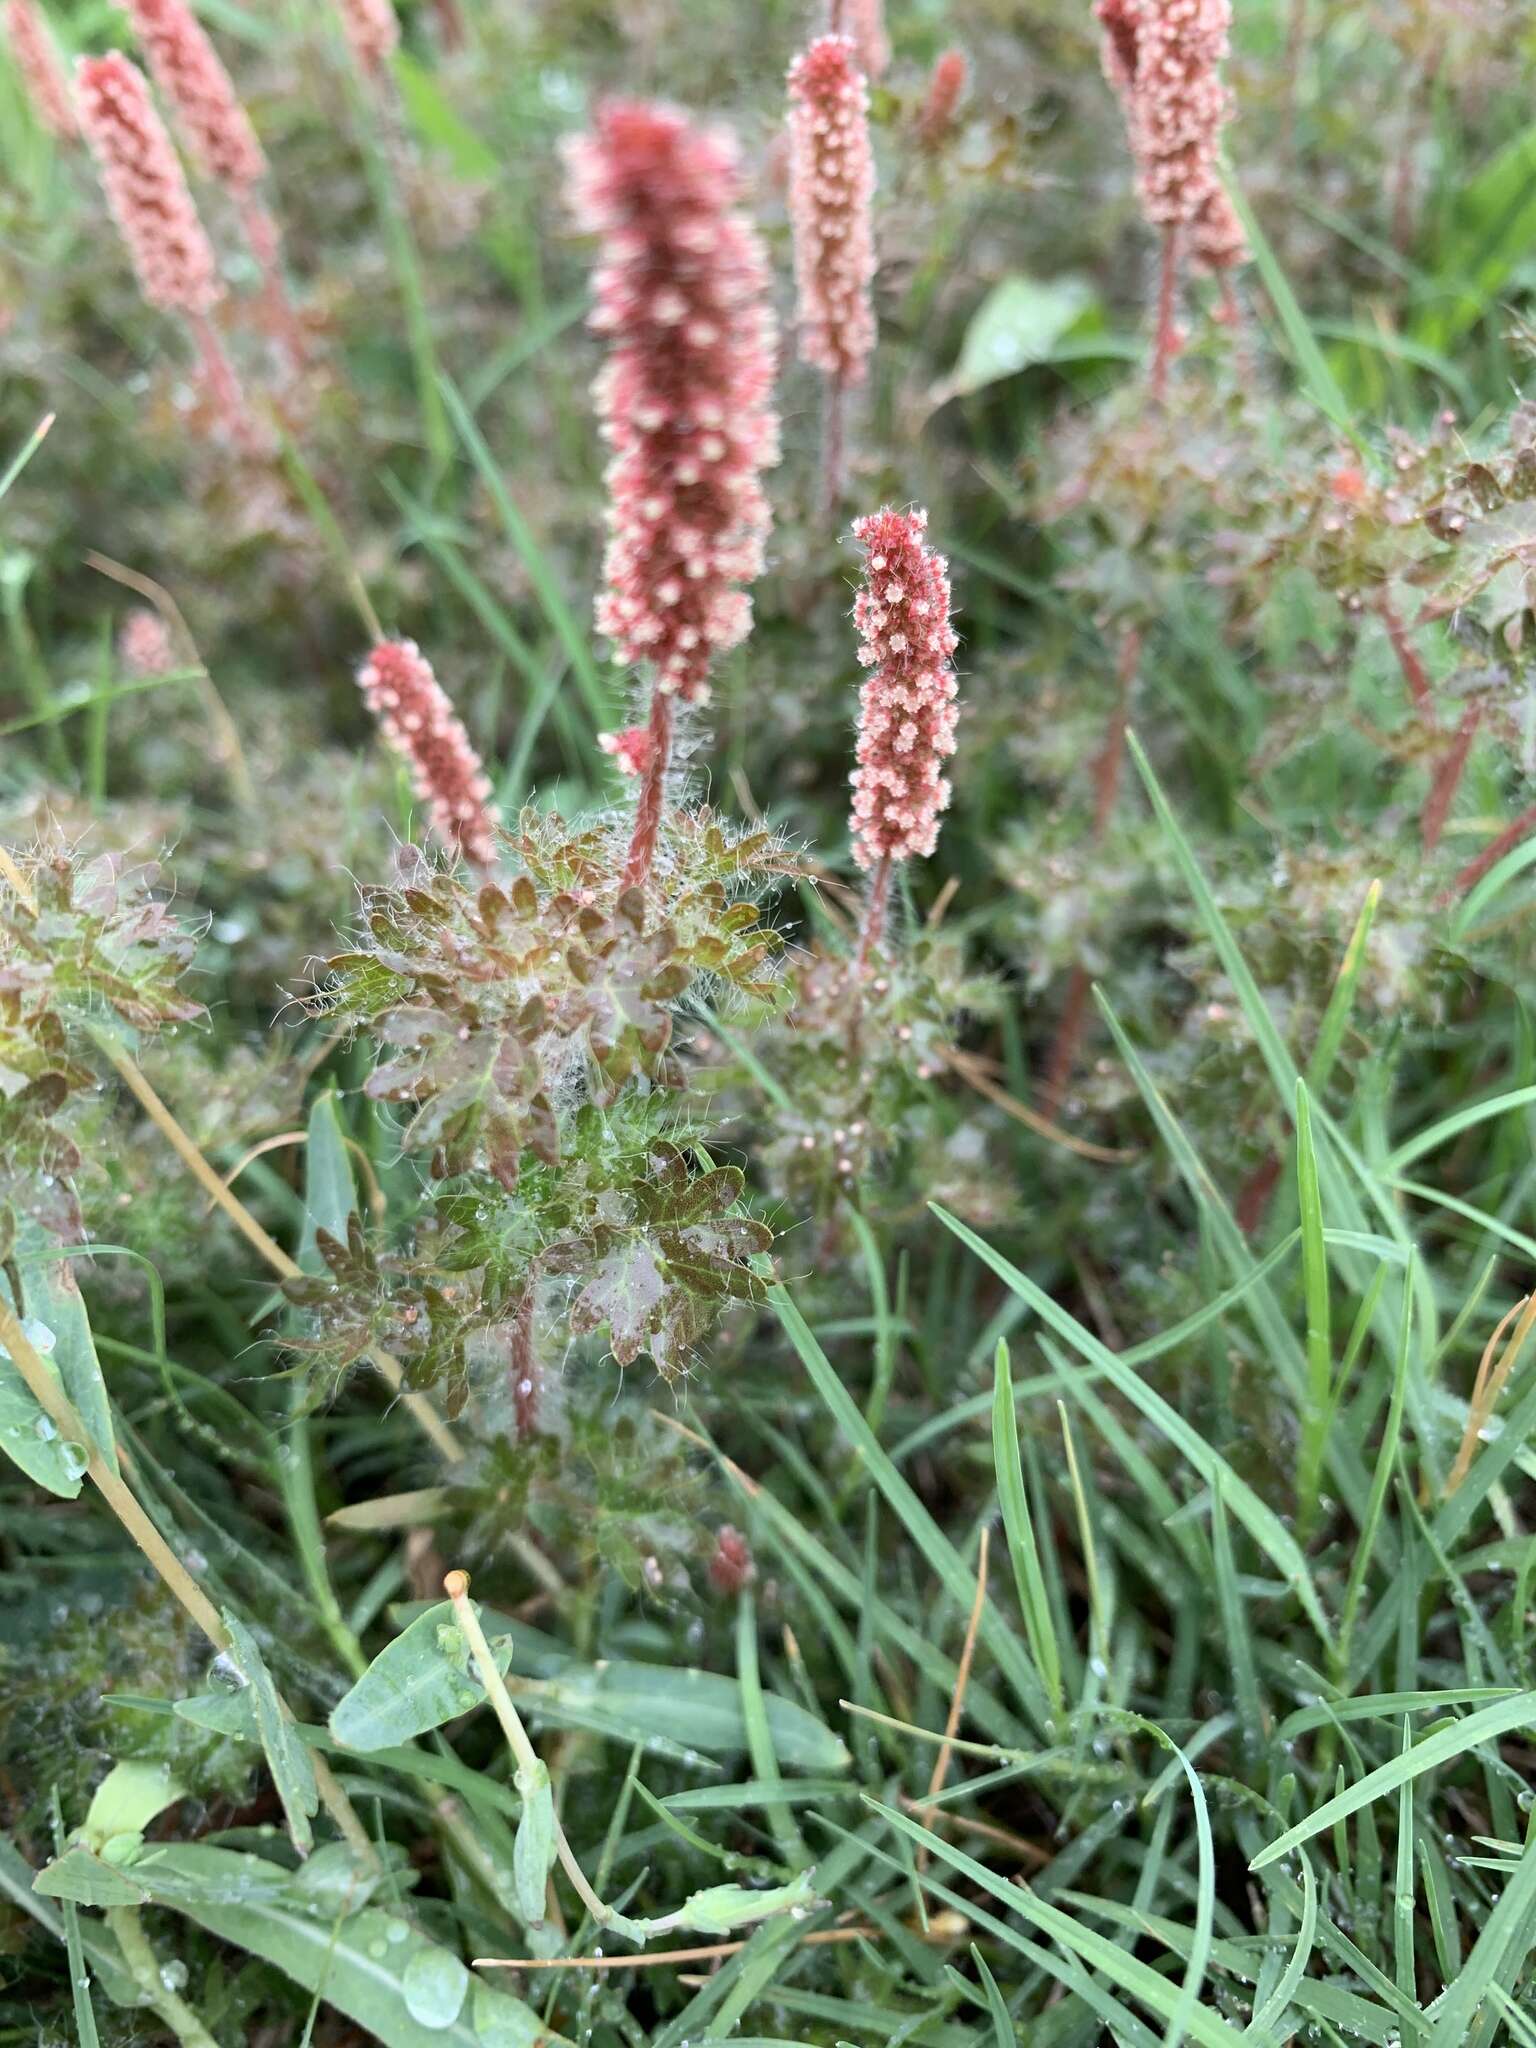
(1485, 1725)
(416, 1683)
(1018, 323)
(53, 1298)
(288, 1758)
(634, 1702)
(329, 1194)
(28, 1437)
(127, 1800)
(83, 1877)
(400, 1988)
(533, 1850)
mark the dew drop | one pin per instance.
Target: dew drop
(434, 1985)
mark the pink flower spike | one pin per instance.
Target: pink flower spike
(831, 185)
(372, 31)
(946, 84)
(631, 749)
(186, 67)
(145, 187)
(1164, 57)
(863, 21)
(907, 709)
(42, 69)
(682, 295)
(421, 725)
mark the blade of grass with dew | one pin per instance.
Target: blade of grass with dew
(1503, 1717)
(920, 1525)
(1321, 384)
(1494, 1953)
(1130, 1976)
(599, 699)
(1314, 1270)
(1341, 999)
(1266, 1528)
(760, 1749)
(1039, 1629)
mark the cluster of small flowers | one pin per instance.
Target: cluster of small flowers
(1163, 58)
(42, 72)
(907, 708)
(146, 187)
(831, 183)
(420, 723)
(631, 749)
(187, 69)
(681, 292)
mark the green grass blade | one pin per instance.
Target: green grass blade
(1028, 1578)
(557, 610)
(1266, 1528)
(1486, 1725)
(1319, 381)
(935, 1546)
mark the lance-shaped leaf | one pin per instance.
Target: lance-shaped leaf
(533, 1851)
(288, 1758)
(417, 1682)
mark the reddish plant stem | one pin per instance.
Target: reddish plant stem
(653, 789)
(450, 23)
(1165, 340)
(223, 386)
(1414, 672)
(523, 1368)
(1106, 787)
(834, 408)
(277, 308)
(875, 906)
(1490, 856)
(1253, 1196)
(1447, 779)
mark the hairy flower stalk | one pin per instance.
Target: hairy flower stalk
(1163, 58)
(41, 68)
(421, 725)
(831, 186)
(907, 709)
(220, 139)
(684, 399)
(147, 191)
